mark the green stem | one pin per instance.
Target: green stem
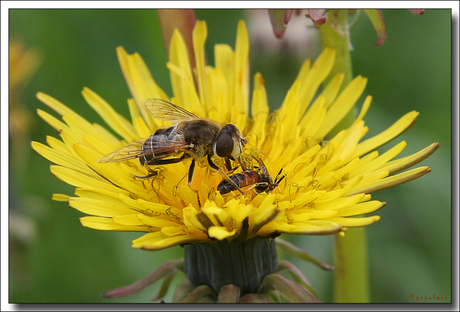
(351, 280)
(334, 33)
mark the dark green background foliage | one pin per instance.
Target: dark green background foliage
(60, 261)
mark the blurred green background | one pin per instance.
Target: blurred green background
(54, 259)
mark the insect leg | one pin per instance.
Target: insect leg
(229, 168)
(153, 173)
(190, 172)
(228, 164)
(278, 179)
(167, 161)
(160, 162)
(215, 167)
(242, 165)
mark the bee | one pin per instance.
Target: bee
(258, 179)
(189, 137)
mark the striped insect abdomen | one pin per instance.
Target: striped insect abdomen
(241, 179)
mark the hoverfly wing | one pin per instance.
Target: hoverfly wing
(160, 150)
(164, 110)
(129, 151)
(136, 149)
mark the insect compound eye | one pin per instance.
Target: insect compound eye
(224, 145)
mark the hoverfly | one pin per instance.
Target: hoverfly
(190, 137)
(259, 179)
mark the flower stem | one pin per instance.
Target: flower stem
(351, 281)
(335, 34)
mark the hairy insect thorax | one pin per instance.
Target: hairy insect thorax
(201, 134)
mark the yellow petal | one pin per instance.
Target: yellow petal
(332, 89)
(409, 161)
(217, 215)
(158, 240)
(139, 124)
(360, 209)
(397, 128)
(190, 218)
(260, 107)
(185, 89)
(348, 145)
(319, 71)
(181, 73)
(161, 223)
(107, 224)
(304, 70)
(256, 135)
(218, 106)
(173, 230)
(225, 62)
(355, 222)
(306, 198)
(60, 197)
(307, 216)
(57, 158)
(118, 123)
(314, 117)
(342, 105)
(351, 184)
(52, 121)
(130, 219)
(380, 161)
(140, 82)
(364, 108)
(220, 232)
(148, 208)
(238, 211)
(200, 32)
(103, 208)
(317, 227)
(392, 181)
(242, 68)
(54, 104)
(339, 203)
(312, 227)
(79, 179)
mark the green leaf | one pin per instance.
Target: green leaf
(318, 16)
(170, 268)
(229, 294)
(296, 274)
(376, 18)
(417, 11)
(290, 290)
(164, 288)
(198, 294)
(182, 291)
(299, 253)
(255, 298)
(277, 19)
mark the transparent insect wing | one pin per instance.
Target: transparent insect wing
(164, 110)
(129, 151)
(136, 149)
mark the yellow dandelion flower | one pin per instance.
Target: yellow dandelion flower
(323, 186)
